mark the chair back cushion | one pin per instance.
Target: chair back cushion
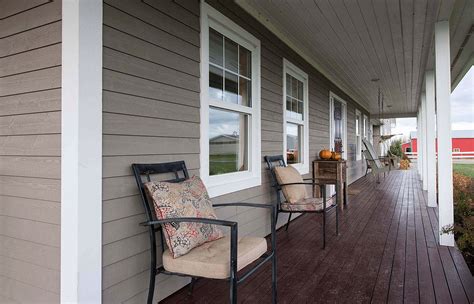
(288, 175)
(186, 199)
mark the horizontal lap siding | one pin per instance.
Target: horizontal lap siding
(151, 114)
(30, 127)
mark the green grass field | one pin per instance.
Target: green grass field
(465, 169)
(223, 163)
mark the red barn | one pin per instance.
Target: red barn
(462, 143)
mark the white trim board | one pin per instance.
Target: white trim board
(231, 182)
(81, 152)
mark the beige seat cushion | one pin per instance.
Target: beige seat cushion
(308, 204)
(287, 175)
(212, 259)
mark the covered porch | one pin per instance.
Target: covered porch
(388, 251)
(88, 88)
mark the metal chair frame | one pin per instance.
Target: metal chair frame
(278, 159)
(154, 225)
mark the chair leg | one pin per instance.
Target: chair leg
(274, 279)
(337, 220)
(274, 258)
(151, 286)
(191, 286)
(288, 223)
(233, 268)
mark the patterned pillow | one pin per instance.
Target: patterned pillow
(186, 199)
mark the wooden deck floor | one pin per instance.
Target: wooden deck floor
(386, 252)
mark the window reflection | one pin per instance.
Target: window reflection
(229, 70)
(228, 138)
(293, 143)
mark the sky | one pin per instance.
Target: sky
(462, 109)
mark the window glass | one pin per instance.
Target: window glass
(216, 83)
(231, 56)
(293, 143)
(215, 47)
(228, 138)
(229, 70)
(294, 98)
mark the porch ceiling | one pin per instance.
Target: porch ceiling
(352, 42)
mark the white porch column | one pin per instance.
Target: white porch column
(421, 139)
(418, 143)
(424, 141)
(81, 152)
(443, 92)
(430, 138)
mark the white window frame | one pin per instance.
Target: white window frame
(365, 129)
(294, 71)
(358, 135)
(231, 182)
(333, 96)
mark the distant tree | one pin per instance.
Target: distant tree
(396, 148)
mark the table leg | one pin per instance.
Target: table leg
(345, 193)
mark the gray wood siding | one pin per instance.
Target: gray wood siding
(30, 127)
(151, 114)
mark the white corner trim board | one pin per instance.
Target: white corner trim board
(81, 152)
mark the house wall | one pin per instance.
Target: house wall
(30, 111)
(151, 114)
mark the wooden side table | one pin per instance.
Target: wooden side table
(332, 172)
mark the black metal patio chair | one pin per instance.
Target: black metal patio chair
(282, 206)
(179, 173)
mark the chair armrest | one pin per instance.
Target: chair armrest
(191, 220)
(313, 184)
(243, 204)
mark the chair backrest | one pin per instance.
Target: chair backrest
(173, 172)
(272, 162)
(370, 154)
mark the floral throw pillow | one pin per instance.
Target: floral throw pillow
(186, 199)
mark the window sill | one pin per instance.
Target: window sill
(229, 183)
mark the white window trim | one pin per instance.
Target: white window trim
(365, 122)
(294, 71)
(231, 182)
(331, 123)
(359, 136)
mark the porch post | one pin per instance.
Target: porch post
(81, 152)
(443, 92)
(430, 138)
(423, 146)
(420, 143)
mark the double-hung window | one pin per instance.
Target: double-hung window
(358, 135)
(295, 117)
(365, 126)
(230, 105)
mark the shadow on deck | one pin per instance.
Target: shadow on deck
(386, 252)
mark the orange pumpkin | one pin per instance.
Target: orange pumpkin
(325, 154)
(335, 155)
